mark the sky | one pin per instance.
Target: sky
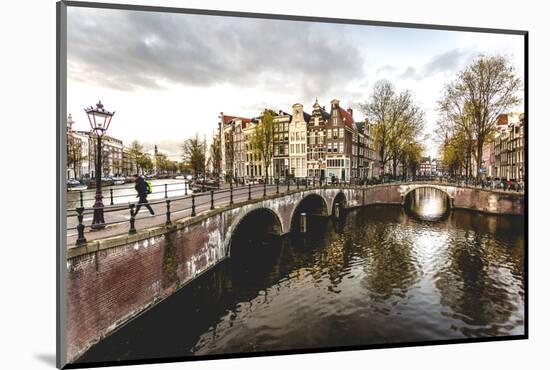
(168, 76)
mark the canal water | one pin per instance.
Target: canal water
(381, 275)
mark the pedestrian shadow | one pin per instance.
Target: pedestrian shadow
(47, 358)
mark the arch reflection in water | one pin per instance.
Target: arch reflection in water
(429, 204)
(376, 276)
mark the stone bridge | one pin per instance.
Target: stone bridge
(110, 281)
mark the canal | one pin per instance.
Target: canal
(380, 275)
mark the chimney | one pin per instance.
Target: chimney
(350, 111)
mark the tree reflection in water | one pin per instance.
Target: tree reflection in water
(378, 275)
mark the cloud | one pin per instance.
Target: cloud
(386, 69)
(128, 50)
(447, 62)
(410, 72)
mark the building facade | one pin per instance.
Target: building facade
(339, 142)
(317, 142)
(281, 163)
(297, 133)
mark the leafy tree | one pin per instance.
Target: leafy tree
(215, 157)
(146, 163)
(135, 153)
(262, 140)
(74, 154)
(194, 154)
(480, 93)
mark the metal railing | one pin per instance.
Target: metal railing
(190, 205)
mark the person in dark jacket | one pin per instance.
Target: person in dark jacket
(142, 189)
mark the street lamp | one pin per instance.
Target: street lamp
(99, 122)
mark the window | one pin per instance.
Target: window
(335, 121)
(341, 148)
(341, 132)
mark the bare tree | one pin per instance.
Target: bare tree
(398, 121)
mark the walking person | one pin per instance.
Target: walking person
(142, 189)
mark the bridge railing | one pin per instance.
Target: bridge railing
(191, 204)
(188, 205)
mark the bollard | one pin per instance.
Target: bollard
(231, 194)
(168, 220)
(265, 188)
(81, 199)
(297, 183)
(249, 192)
(81, 239)
(132, 220)
(165, 191)
(277, 184)
(303, 222)
(111, 191)
(211, 199)
(185, 185)
(287, 185)
(193, 213)
(337, 210)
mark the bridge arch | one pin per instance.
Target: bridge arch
(313, 204)
(412, 188)
(340, 198)
(254, 224)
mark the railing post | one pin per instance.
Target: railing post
(81, 239)
(132, 220)
(165, 191)
(230, 194)
(211, 199)
(111, 192)
(168, 220)
(185, 185)
(81, 199)
(193, 213)
(249, 192)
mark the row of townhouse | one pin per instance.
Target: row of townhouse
(82, 149)
(504, 156)
(321, 144)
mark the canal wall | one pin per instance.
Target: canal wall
(112, 280)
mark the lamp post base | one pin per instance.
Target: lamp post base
(98, 221)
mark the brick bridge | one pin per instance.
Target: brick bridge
(111, 280)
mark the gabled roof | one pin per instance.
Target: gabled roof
(324, 113)
(227, 119)
(348, 119)
(307, 117)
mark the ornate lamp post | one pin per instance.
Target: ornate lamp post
(99, 122)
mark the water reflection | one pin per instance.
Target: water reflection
(427, 204)
(377, 276)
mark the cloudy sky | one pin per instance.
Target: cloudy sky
(168, 76)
